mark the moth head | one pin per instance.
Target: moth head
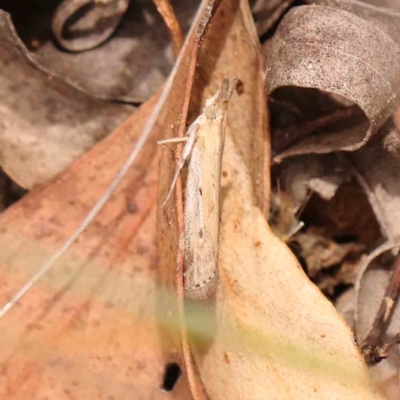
(213, 105)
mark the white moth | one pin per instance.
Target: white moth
(204, 149)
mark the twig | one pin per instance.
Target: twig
(266, 198)
(286, 137)
(165, 9)
(373, 348)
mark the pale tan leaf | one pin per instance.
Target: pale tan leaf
(276, 335)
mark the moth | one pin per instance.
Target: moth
(203, 151)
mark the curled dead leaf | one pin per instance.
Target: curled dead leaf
(336, 52)
(94, 27)
(384, 14)
(130, 66)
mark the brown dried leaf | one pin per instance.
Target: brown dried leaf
(44, 123)
(336, 52)
(88, 330)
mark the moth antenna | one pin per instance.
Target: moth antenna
(233, 87)
(187, 150)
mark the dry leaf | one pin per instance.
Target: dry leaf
(94, 26)
(320, 174)
(93, 319)
(130, 66)
(385, 14)
(345, 306)
(276, 336)
(320, 252)
(283, 215)
(369, 295)
(336, 52)
(331, 265)
(45, 124)
(266, 13)
(379, 171)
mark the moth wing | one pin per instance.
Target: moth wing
(202, 212)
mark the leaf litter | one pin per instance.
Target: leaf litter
(112, 306)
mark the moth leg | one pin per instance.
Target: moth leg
(173, 140)
(293, 231)
(187, 151)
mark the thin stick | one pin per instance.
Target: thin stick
(165, 9)
(267, 151)
(198, 40)
(373, 349)
(288, 136)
